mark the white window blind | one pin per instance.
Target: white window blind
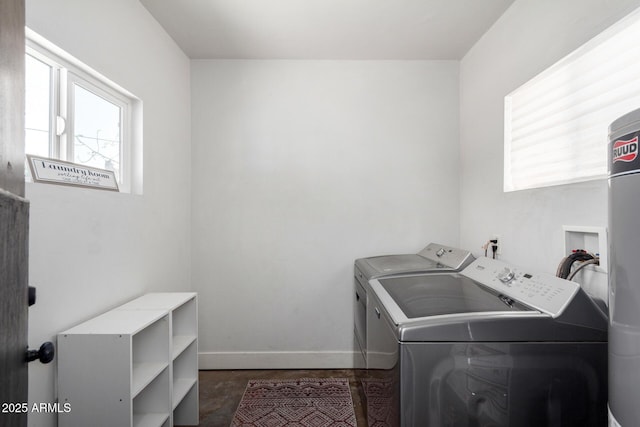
(556, 125)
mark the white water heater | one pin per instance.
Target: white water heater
(624, 271)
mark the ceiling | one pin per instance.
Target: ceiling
(326, 29)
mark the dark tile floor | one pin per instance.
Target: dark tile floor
(221, 391)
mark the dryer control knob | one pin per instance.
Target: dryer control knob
(506, 275)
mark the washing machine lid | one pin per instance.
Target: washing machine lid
(444, 307)
(443, 295)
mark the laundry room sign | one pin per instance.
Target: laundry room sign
(66, 173)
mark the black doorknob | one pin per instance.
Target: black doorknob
(32, 295)
(45, 354)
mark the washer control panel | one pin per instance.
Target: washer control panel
(447, 256)
(544, 292)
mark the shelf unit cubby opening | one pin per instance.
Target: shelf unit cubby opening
(149, 354)
(152, 407)
(184, 374)
(186, 412)
(184, 321)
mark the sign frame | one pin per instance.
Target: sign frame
(61, 172)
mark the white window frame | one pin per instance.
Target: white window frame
(67, 71)
(54, 96)
(567, 110)
(115, 98)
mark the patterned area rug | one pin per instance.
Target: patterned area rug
(306, 402)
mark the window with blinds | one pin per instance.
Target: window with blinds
(556, 125)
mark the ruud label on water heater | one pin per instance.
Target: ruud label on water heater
(624, 157)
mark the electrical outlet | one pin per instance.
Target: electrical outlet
(497, 237)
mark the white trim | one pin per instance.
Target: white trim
(279, 360)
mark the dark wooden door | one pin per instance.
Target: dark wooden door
(14, 218)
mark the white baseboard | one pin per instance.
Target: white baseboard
(280, 360)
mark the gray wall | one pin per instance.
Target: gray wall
(299, 167)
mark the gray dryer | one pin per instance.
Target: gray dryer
(433, 258)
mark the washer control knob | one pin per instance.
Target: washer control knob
(506, 275)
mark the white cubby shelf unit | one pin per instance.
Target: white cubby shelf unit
(136, 365)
